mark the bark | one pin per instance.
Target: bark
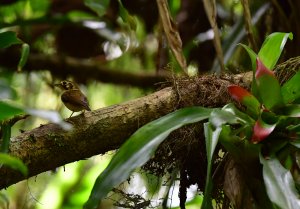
(96, 132)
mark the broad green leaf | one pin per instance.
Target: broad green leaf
(268, 86)
(211, 140)
(294, 128)
(8, 38)
(24, 56)
(174, 7)
(126, 17)
(6, 134)
(8, 110)
(219, 117)
(296, 143)
(212, 131)
(247, 123)
(242, 117)
(49, 115)
(238, 146)
(97, 6)
(272, 48)
(279, 184)
(291, 89)
(261, 130)
(4, 201)
(14, 163)
(6, 91)
(252, 56)
(291, 110)
(246, 98)
(139, 148)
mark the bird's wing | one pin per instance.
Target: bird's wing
(76, 98)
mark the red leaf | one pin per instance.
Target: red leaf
(238, 93)
(261, 130)
(246, 98)
(261, 69)
(268, 87)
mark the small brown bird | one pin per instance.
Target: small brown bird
(72, 97)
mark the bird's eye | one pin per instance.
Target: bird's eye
(64, 83)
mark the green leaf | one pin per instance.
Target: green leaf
(291, 89)
(211, 140)
(6, 134)
(252, 56)
(212, 129)
(279, 184)
(294, 128)
(14, 163)
(291, 110)
(219, 117)
(139, 148)
(268, 86)
(126, 17)
(24, 56)
(246, 98)
(272, 48)
(247, 123)
(241, 117)
(8, 110)
(236, 146)
(295, 143)
(4, 201)
(8, 38)
(6, 92)
(49, 115)
(100, 7)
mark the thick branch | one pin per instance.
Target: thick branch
(48, 146)
(82, 70)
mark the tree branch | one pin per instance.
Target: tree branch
(49, 146)
(82, 70)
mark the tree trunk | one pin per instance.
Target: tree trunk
(96, 132)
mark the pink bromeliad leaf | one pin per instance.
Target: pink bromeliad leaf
(246, 98)
(262, 70)
(268, 86)
(261, 130)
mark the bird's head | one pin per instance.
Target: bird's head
(66, 85)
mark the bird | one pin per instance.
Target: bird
(72, 97)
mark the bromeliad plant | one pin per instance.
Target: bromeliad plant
(266, 132)
(276, 111)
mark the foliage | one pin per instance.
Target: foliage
(7, 110)
(14, 163)
(139, 149)
(267, 116)
(11, 113)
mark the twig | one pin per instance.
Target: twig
(172, 33)
(82, 70)
(248, 25)
(210, 9)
